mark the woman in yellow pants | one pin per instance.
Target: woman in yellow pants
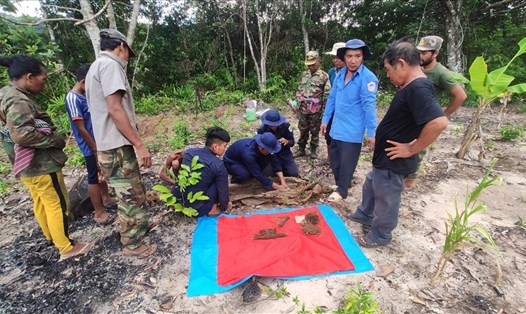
(40, 166)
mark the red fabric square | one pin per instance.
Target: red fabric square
(297, 254)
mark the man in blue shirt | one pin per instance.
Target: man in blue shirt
(247, 158)
(352, 104)
(275, 123)
(214, 176)
(333, 72)
(80, 120)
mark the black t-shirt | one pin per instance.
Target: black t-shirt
(411, 108)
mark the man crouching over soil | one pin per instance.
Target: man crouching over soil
(214, 176)
(413, 121)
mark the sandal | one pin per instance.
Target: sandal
(142, 251)
(112, 205)
(334, 197)
(365, 241)
(108, 221)
(84, 247)
(365, 227)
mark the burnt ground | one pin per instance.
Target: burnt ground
(32, 280)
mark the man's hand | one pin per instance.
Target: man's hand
(143, 156)
(283, 141)
(400, 150)
(323, 129)
(371, 141)
(276, 186)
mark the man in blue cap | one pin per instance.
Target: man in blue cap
(247, 158)
(275, 123)
(352, 104)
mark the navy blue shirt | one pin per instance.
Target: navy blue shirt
(213, 172)
(245, 151)
(285, 131)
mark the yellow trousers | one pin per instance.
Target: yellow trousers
(51, 207)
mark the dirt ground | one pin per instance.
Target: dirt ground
(476, 281)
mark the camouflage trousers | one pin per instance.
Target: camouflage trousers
(121, 169)
(309, 124)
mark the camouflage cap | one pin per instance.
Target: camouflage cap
(115, 34)
(312, 57)
(430, 43)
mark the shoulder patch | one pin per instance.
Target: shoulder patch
(290, 129)
(371, 86)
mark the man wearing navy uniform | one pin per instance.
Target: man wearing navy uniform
(214, 176)
(275, 123)
(246, 159)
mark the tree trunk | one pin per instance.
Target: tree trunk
(51, 32)
(455, 35)
(111, 15)
(130, 37)
(304, 27)
(91, 26)
(472, 133)
(249, 40)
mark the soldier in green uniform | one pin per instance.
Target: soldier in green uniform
(312, 93)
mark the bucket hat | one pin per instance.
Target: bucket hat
(335, 48)
(272, 117)
(355, 44)
(268, 142)
(115, 34)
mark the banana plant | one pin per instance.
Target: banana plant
(487, 87)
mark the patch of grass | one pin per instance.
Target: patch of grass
(5, 168)
(278, 293)
(4, 186)
(522, 108)
(455, 128)
(511, 132)
(459, 228)
(75, 156)
(521, 222)
(358, 301)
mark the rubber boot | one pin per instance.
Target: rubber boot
(300, 152)
(313, 153)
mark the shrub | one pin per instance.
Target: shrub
(510, 132)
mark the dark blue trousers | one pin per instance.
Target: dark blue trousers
(344, 158)
(382, 191)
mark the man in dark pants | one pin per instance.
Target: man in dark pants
(214, 176)
(247, 158)
(273, 122)
(413, 121)
(352, 106)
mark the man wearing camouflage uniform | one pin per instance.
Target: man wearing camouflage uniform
(111, 105)
(312, 92)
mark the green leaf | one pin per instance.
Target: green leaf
(518, 88)
(195, 160)
(478, 72)
(198, 166)
(498, 82)
(178, 207)
(185, 168)
(165, 196)
(161, 188)
(459, 78)
(190, 196)
(171, 201)
(189, 211)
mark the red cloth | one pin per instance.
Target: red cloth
(297, 254)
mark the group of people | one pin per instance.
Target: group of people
(341, 104)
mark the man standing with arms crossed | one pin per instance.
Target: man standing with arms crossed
(413, 121)
(111, 105)
(443, 82)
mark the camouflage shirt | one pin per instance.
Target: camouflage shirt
(313, 87)
(18, 112)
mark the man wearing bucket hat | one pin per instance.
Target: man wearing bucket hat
(246, 159)
(352, 104)
(312, 92)
(338, 65)
(120, 150)
(443, 82)
(275, 123)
